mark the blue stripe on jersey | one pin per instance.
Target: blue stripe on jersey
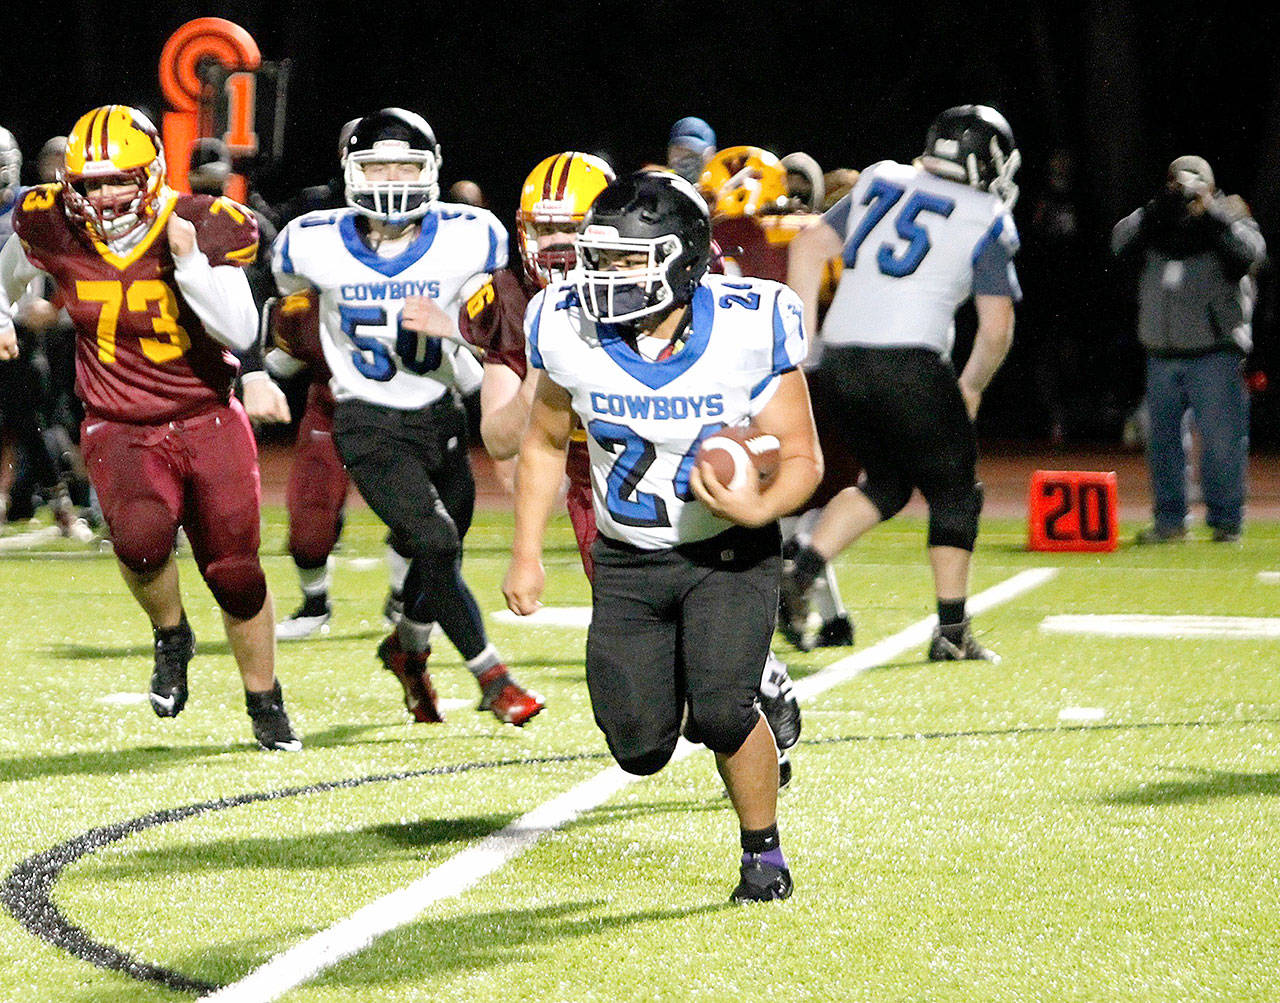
(781, 360)
(763, 385)
(535, 356)
(837, 217)
(286, 262)
(492, 261)
(993, 273)
(655, 375)
(363, 253)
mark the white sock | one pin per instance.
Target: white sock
(397, 569)
(315, 581)
(484, 661)
(414, 637)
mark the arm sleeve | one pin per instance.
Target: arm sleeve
(1126, 234)
(220, 297)
(1239, 240)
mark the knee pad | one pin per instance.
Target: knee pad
(888, 496)
(723, 729)
(238, 585)
(312, 536)
(646, 764)
(436, 540)
(142, 537)
(953, 518)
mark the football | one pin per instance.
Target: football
(734, 453)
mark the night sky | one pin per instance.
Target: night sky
(1123, 85)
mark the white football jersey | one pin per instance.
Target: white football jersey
(646, 419)
(362, 295)
(916, 246)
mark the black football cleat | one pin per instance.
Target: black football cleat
(782, 711)
(173, 650)
(784, 769)
(271, 725)
(761, 882)
(793, 613)
(393, 609)
(838, 632)
(312, 617)
(961, 646)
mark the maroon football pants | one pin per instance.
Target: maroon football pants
(200, 473)
(318, 484)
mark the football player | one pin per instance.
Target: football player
(753, 220)
(154, 282)
(554, 201)
(653, 355)
(317, 489)
(316, 495)
(389, 270)
(917, 240)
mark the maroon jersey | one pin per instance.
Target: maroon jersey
(293, 324)
(142, 354)
(493, 319)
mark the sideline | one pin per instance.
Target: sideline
(304, 961)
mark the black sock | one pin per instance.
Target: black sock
(762, 844)
(809, 564)
(315, 605)
(170, 635)
(951, 612)
(760, 840)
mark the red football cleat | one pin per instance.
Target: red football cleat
(510, 702)
(411, 670)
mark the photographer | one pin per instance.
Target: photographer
(1197, 251)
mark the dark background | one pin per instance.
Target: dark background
(1121, 86)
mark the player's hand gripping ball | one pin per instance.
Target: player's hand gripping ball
(736, 453)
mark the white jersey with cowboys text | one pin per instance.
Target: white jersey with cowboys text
(362, 295)
(646, 419)
(916, 246)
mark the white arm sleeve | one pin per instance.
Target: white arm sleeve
(281, 364)
(16, 273)
(220, 297)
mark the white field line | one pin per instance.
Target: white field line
(1144, 625)
(304, 961)
(548, 616)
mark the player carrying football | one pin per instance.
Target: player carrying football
(653, 355)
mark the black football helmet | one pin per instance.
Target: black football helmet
(654, 213)
(973, 144)
(392, 135)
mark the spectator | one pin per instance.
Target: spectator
(690, 147)
(1198, 250)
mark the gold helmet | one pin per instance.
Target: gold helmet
(114, 144)
(744, 181)
(556, 195)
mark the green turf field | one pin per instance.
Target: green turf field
(952, 834)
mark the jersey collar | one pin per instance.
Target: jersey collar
(658, 374)
(123, 261)
(366, 255)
